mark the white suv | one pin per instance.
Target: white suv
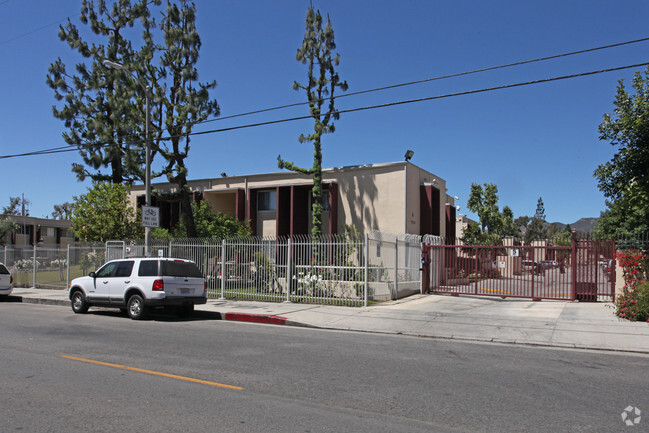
(6, 281)
(134, 285)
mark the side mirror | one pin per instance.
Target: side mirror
(92, 275)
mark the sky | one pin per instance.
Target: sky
(531, 141)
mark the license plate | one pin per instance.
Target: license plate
(184, 291)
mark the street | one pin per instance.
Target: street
(104, 372)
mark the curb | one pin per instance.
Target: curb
(256, 318)
(43, 301)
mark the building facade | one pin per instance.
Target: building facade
(397, 197)
(40, 231)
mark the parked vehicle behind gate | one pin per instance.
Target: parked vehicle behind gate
(136, 285)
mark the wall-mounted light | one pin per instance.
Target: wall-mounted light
(409, 154)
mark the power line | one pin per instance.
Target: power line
(36, 30)
(430, 98)
(370, 107)
(458, 74)
(426, 80)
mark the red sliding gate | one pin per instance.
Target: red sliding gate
(584, 271)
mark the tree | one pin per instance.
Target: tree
(316, 53)
(104, 213)
(61, 211)
(473, 235)
(104, 108)
(509, 228)
(624, 179)
(536, 229)
(484, 203)
(17, 206)
(100, 109)
(180, 102)
(215, 225)
(7, 227)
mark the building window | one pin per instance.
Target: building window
(266, 200)
(325, 200)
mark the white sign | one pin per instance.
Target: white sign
(150, 216)
(514, 252)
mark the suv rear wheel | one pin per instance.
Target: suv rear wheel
(136, 308)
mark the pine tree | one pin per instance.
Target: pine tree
(104, 108)
(179, 101)
(316, 53)
(536, 229)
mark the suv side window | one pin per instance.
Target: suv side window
(124, 269)
(4, 270)
(172, 268)
(108, 270)
(148, 268)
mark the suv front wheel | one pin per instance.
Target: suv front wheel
(78, 302)
(136, 308)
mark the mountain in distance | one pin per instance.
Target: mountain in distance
(584, 225)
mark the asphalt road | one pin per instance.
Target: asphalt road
(103, 372)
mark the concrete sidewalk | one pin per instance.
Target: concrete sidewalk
(546, 323)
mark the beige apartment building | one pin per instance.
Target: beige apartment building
(397, 197)
(39, 231)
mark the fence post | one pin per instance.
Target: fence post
(67, 269)
(289, 276)
(573, 259)
(34, 268)
(223, 276)
(366, 265)
(396, 269)
(476, 269)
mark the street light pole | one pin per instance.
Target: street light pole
(147, 157)
(147, 171)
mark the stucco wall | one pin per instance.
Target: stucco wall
(266, 225)
(382, 197)
(223, 202)
(371, 199)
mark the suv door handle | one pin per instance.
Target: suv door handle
(127, 281)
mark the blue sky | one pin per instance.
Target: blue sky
(532, 141)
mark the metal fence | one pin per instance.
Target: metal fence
(566, 267)
(334, 269)
(50, 266)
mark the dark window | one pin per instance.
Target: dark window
(180, 269)
(325, 200)
(4, 270)
(124, 269)
(267, 200)
(148, 268)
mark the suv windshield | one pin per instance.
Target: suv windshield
(180, 269)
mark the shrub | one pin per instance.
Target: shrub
(634, 305)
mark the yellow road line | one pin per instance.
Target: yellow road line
(494, 290)
(155, 373)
